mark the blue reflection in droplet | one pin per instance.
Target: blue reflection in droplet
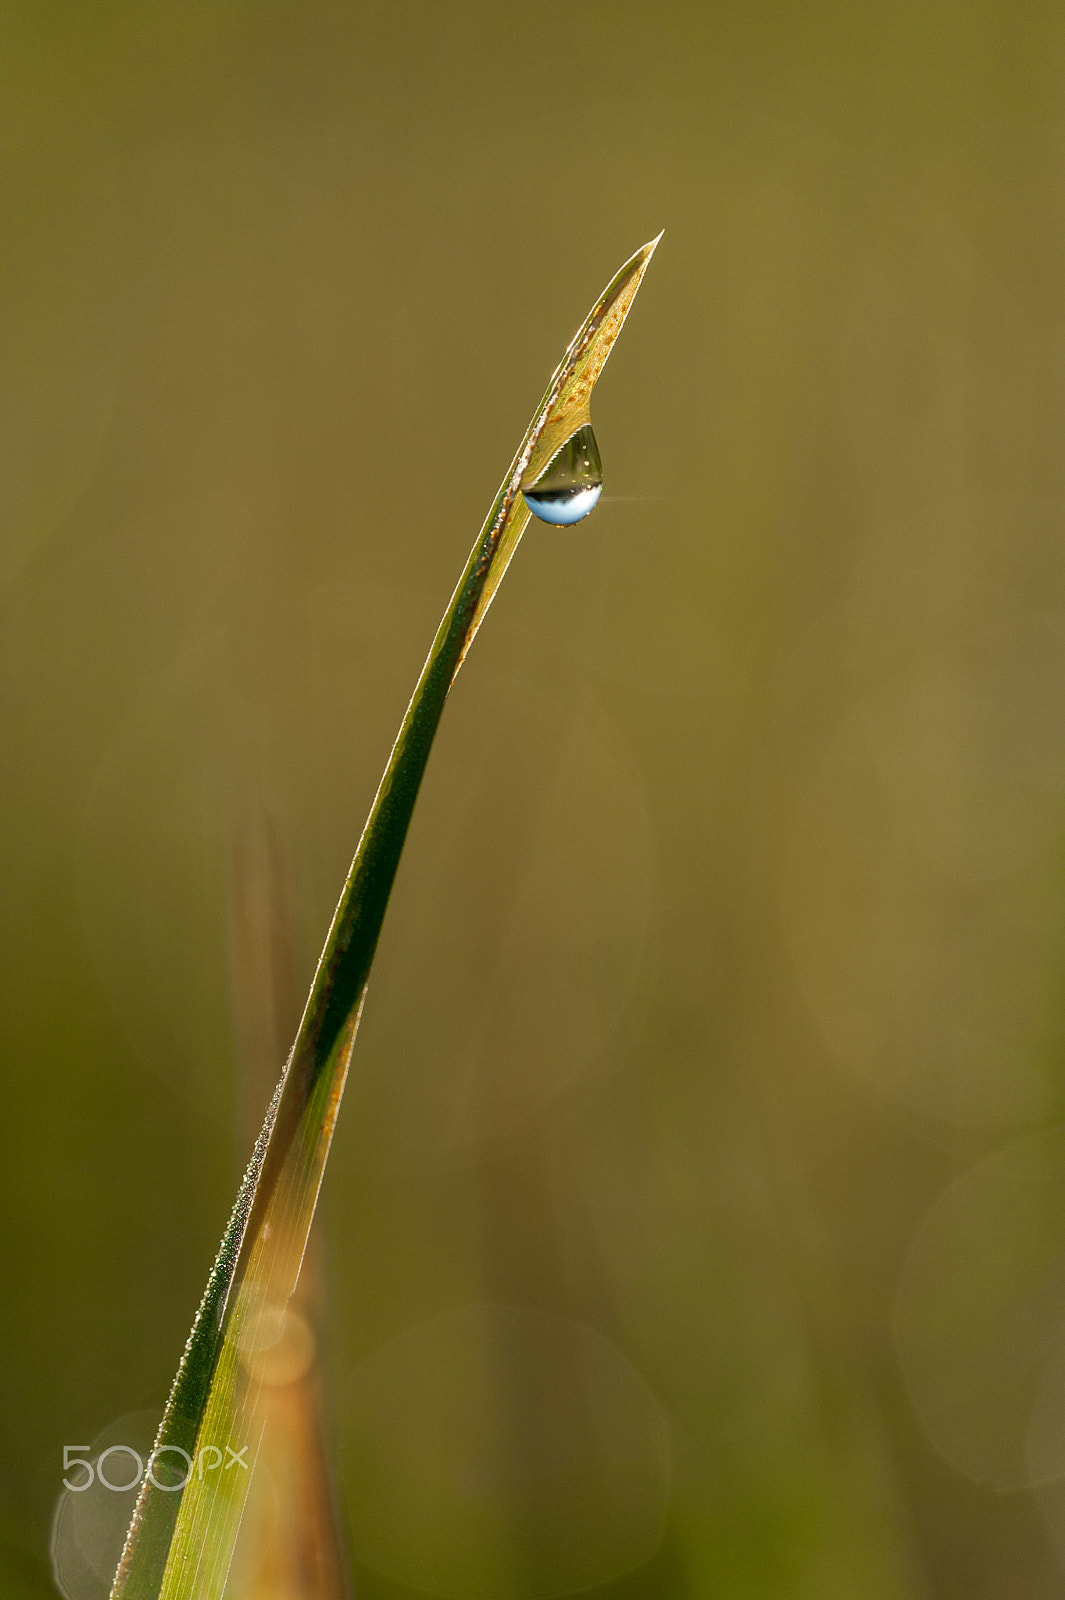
(563, 506)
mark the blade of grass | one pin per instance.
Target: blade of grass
(291, 1539)
(181, 1538)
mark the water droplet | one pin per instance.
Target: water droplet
(571, 483)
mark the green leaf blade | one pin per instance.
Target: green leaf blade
(180, 1543)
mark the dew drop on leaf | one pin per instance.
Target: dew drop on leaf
(571, 483)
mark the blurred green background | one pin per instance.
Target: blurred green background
(702, 1132)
